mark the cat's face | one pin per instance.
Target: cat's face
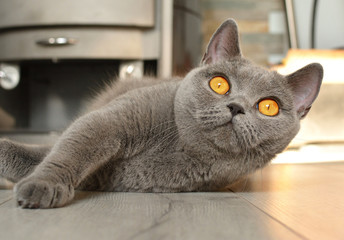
(236, 106)
(233, 120)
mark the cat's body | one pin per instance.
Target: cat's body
(168, 136)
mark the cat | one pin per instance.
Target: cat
(222, 121)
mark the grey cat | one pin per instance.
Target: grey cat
(225, 119)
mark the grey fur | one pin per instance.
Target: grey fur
(167, 136)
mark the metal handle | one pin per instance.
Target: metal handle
(56, 41)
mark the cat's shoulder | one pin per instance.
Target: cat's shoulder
(125, 85)
(122, 86)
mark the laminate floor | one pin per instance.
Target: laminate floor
(282, 201)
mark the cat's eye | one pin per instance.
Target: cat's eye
(268, 107)
(219, 85)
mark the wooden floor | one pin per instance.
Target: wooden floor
(304, 201)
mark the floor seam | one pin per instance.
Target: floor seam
(272, 217)
(5, 201)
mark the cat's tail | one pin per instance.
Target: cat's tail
(19, 160)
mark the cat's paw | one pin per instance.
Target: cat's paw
(37, 193)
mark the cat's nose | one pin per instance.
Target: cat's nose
(235, 109)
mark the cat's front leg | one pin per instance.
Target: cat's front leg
(89, 143)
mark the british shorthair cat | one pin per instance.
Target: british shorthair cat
(223, 120)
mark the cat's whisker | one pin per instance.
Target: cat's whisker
(166, 137)
(173, 140)
(155, 136)
(162, 133)
(173, 136)
(185, 131)
(160, 125)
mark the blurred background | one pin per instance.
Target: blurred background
(55, 55)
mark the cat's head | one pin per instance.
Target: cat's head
(234, 106)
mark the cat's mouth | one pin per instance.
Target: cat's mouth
(227, 121)
(245, 133)
(240, 132)
(232, 133)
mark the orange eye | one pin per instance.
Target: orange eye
(268, 107)
(219, 85)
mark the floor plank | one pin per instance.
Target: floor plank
(307, 198)
(144, 216)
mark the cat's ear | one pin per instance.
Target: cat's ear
(305, 84)
(224, 44)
